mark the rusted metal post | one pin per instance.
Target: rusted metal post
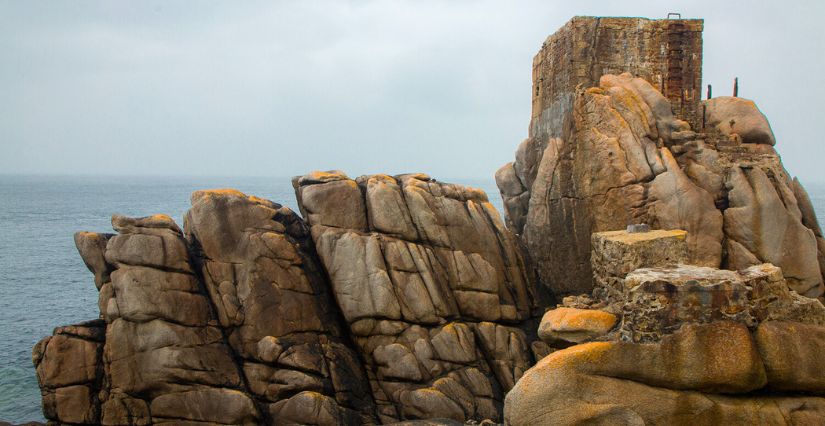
(736, 87)
(710, 91)
(704, 113)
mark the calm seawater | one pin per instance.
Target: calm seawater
(43, 281)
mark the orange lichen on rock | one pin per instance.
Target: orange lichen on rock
(575, 325)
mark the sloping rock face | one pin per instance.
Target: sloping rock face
(622, 157)
(233, 326)
(272, 301)
(432, 287)
(678, 344)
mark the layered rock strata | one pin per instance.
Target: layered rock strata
(623, 157)
(432, 286)
(678, 344)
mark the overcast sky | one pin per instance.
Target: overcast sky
(282, 88)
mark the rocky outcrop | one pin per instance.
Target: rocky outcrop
(677, 344)
(417, 304)
(624, 158)
(432, 287)
(233, 326)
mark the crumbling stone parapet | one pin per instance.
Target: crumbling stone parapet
(617, 253)
(659, 301)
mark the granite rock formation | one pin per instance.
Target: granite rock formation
(624, 158)
(405, 299)
(233, 326)
(676, 344)
(432, 287)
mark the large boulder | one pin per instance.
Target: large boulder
(690, 377)
(432, 286)
(69, 369)
(738, 118)
(621, 157)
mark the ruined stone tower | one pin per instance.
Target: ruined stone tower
(665, 52)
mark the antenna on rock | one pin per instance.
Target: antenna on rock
(736, 87)
(677, 15)
(710, 91)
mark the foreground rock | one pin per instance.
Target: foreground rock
(690, 377)
(432, 286)
(606, 151)
(691, 345)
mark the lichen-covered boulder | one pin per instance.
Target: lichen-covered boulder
(690, 377)
(575, 325)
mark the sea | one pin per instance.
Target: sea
(43, 281)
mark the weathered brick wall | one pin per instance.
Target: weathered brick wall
(665, 52)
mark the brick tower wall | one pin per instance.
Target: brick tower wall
(665, 52)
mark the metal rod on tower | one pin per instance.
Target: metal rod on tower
(736, 87)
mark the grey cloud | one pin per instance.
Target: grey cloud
(280, 88)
